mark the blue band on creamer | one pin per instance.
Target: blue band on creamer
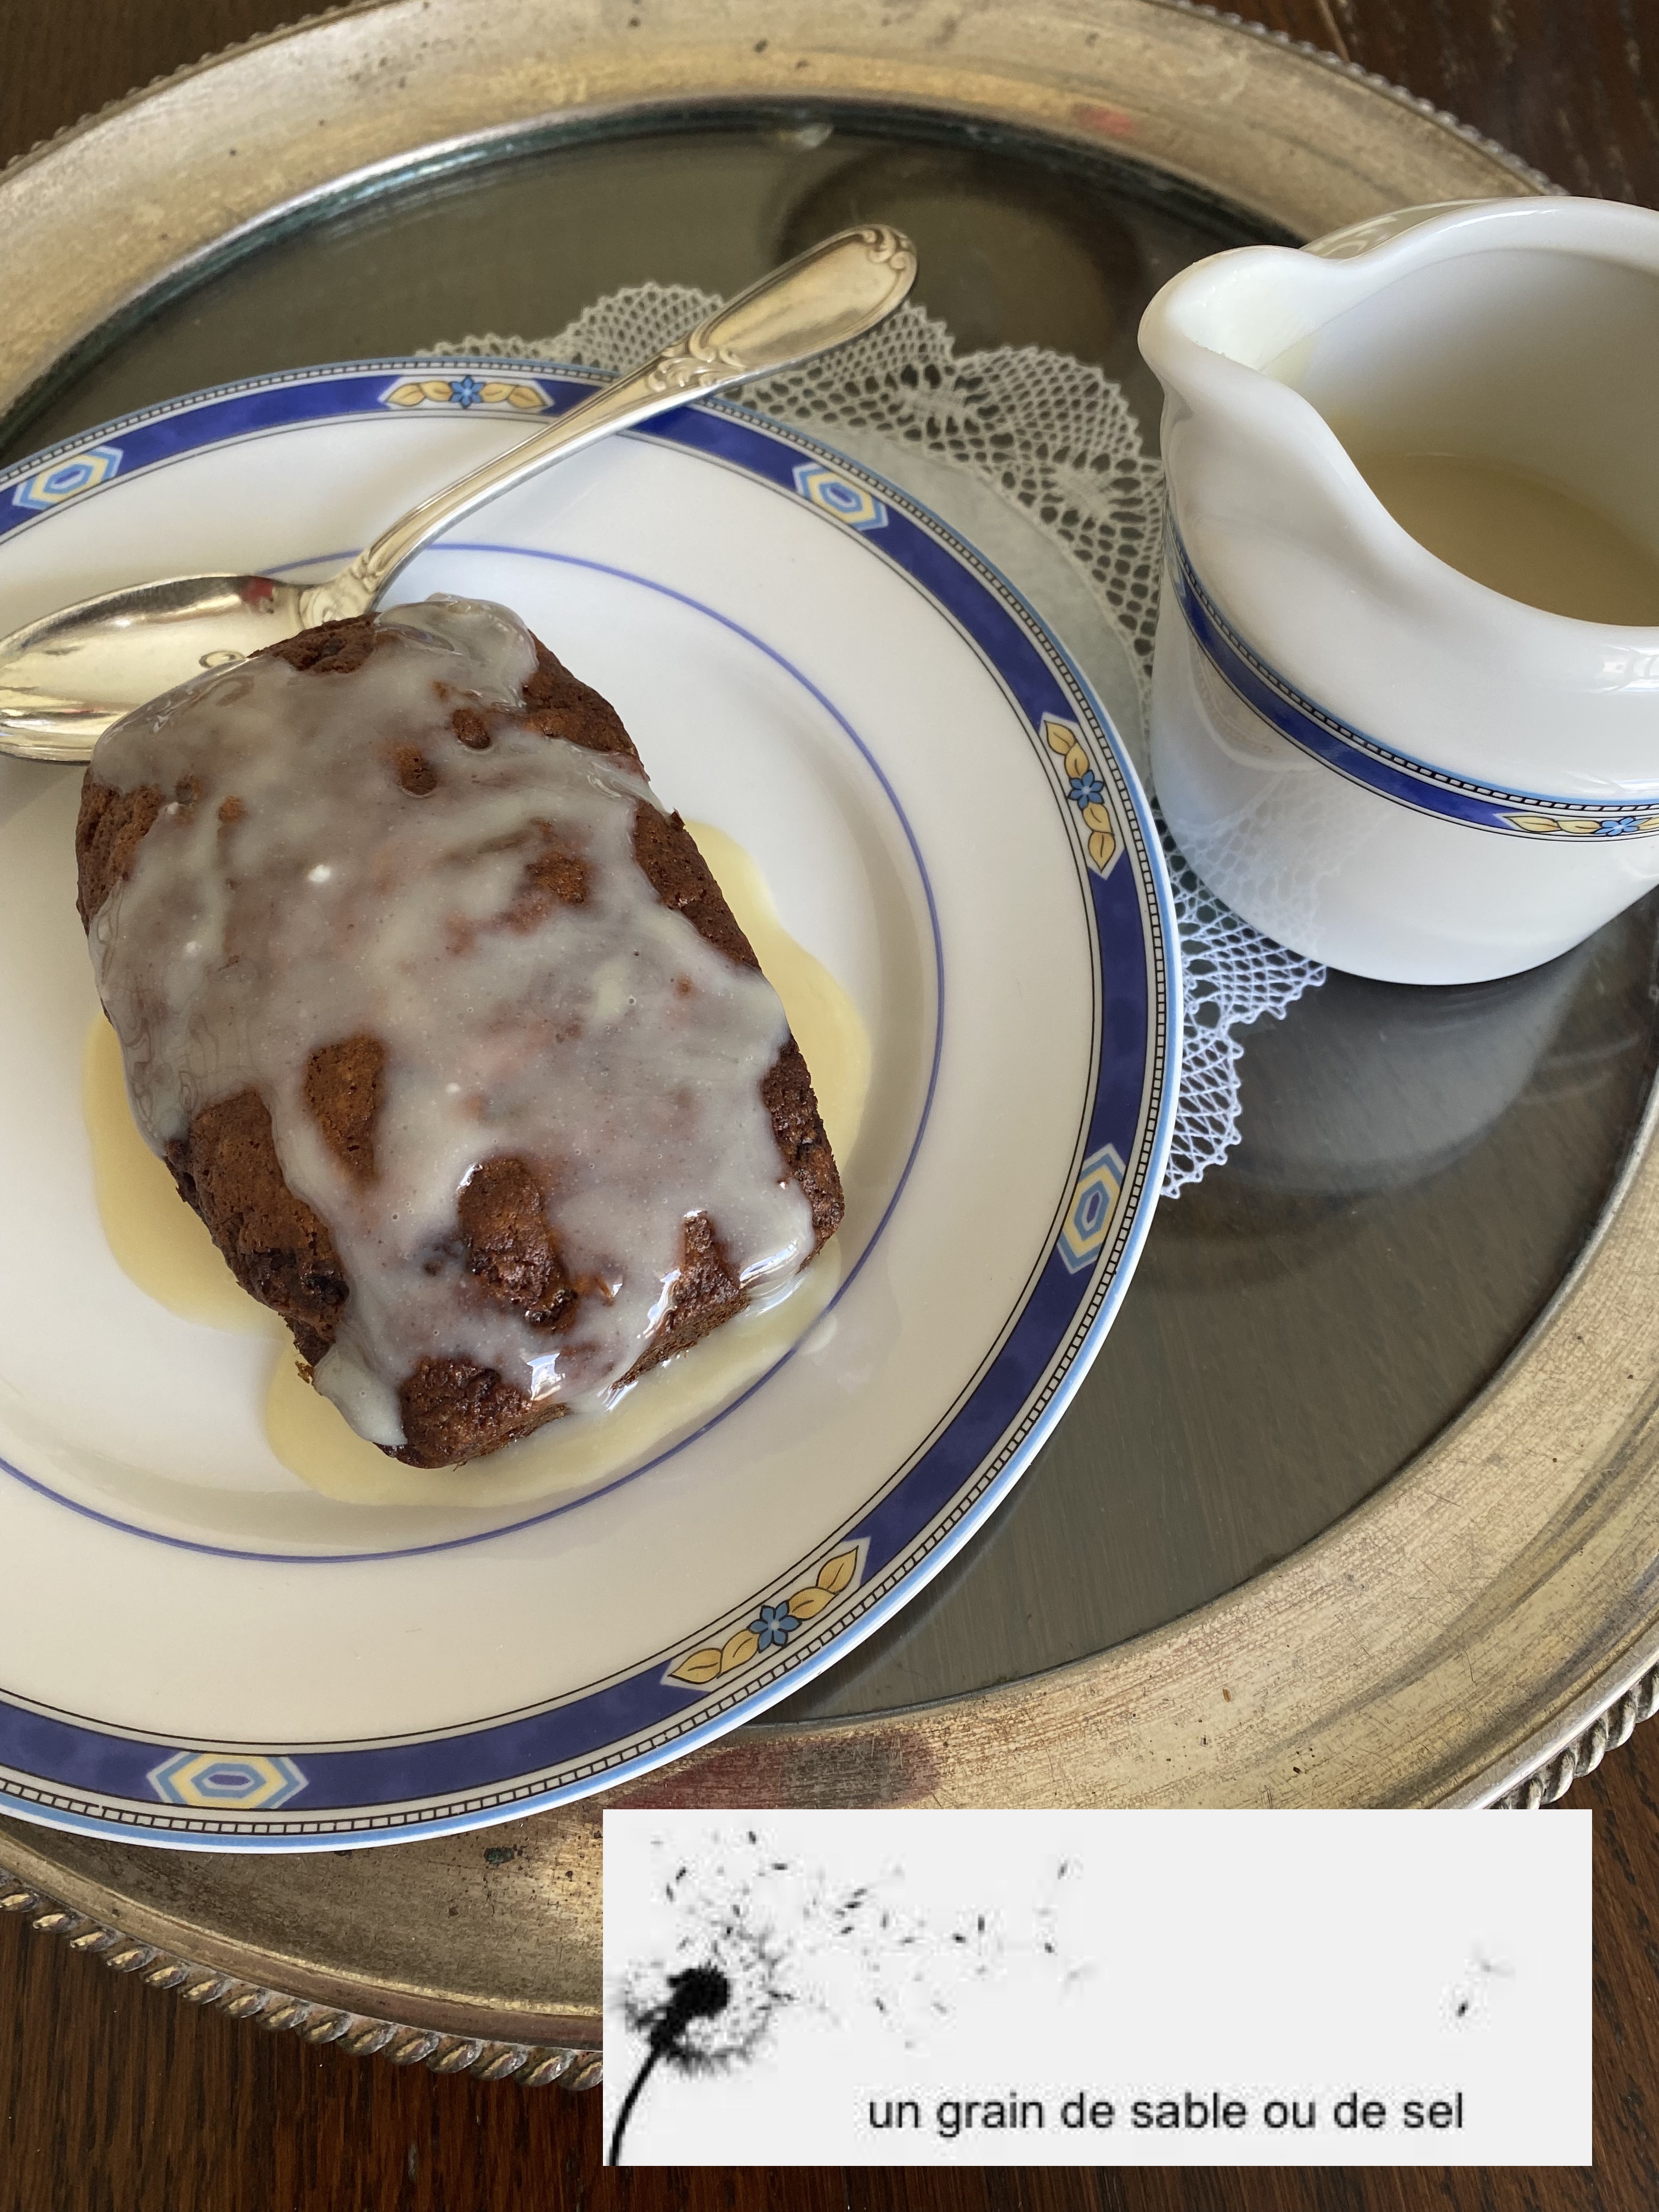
(1390, 775)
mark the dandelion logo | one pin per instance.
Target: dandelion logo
(753, 1933)
(708, 2001)
(696, 2026)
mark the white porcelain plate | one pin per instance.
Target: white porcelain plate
(195, 1647)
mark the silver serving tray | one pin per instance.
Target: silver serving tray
(1481, 1629)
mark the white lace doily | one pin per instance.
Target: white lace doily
(1038, 460)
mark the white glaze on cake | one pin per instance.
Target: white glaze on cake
(610, 1044)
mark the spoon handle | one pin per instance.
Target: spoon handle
(834, 291)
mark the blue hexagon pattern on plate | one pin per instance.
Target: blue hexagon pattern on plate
(840, 496)
(51, 487)
(250, 1781)
(1089, 1214)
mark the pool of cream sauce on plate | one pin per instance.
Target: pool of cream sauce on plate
(163, 1246)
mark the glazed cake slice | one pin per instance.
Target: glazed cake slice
(443, 1025)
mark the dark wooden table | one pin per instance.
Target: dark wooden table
(115, 2096)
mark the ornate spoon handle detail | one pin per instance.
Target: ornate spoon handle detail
(836, 291)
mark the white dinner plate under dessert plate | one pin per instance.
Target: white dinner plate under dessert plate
(198, 1646)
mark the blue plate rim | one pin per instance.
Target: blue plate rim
(1100, 1291)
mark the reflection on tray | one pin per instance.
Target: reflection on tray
(1403, 1079)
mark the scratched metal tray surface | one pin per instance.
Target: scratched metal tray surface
(1360, 1504)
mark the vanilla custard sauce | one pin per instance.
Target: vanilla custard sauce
(163, 1247)
(154, 1237)
(1518, 535)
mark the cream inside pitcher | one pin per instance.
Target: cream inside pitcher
(1405, 712)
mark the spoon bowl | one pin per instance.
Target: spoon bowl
(66, 678)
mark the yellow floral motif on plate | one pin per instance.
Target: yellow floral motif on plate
(442, 391)
(777, 1622)
(1086, 791)
(1583, 825)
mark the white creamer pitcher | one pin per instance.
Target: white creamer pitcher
(1371, 755)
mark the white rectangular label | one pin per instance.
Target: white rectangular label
(1098, 1988)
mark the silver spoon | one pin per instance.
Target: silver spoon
(66, 678)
